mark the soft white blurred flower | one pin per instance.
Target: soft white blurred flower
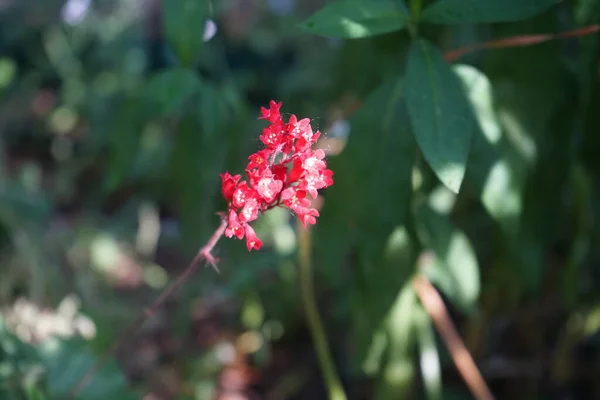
(210, 30)
(74, 11)
(34, 324)
(340, 129)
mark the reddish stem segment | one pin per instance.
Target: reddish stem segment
(203, 254)
(518, 41)
(434, 305)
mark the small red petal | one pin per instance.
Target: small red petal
(296, 171)
(252, 241)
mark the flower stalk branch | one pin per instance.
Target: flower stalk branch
(281, 175)
(204, 254)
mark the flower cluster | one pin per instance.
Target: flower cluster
(282, 174)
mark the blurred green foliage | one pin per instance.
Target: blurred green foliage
(116, 118)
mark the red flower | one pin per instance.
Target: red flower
(228, 183)
(295, 199)
(307, 216)
(250, 210)
(297, 170)
(280, 172)
(234, 228)
(272, 114)
(280, 175)
(298, 129)
(259, 159)
(315, 161)
(242, 193)
(314, 180)
(273, 136)
(268, 187)
(252, 241)
(304, 143)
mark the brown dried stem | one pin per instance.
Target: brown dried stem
(434, 305)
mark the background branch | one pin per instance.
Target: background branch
(434, 305)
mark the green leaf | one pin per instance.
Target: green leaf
(67, 361)
(440, 114)
(374, 171)
(431, 370)
(351, 19)
(63, 363)
(538, 121)
(378, 281)
(397, 372)
(365, 209)
(483, 11)
(124, 140)
(17, 358)
(8, 69)
(454, 268)
(23, 205)
(183, 22)
(496, 175)
(197, 159)
(170, 89)
(34, 393)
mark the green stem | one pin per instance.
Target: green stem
(307, 291)
(415, 13)
(581, 243)
(415, 8)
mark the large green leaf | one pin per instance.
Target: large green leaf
(138, 148)
(399, 336)
(353, 19)
(587, 13)
(454, 268)
(543, 207)
(170, 89)
(16, 358)
(22, 205)
(538, 124)
(8, 70)
(483, 11)
(196, 161)
(372, 178)
(366, 208)
(124, 140)
(66, 362)
(495, 171)
(431, 370)
(378, 282)
(183, 22)
(55, 365)
(439, 111)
